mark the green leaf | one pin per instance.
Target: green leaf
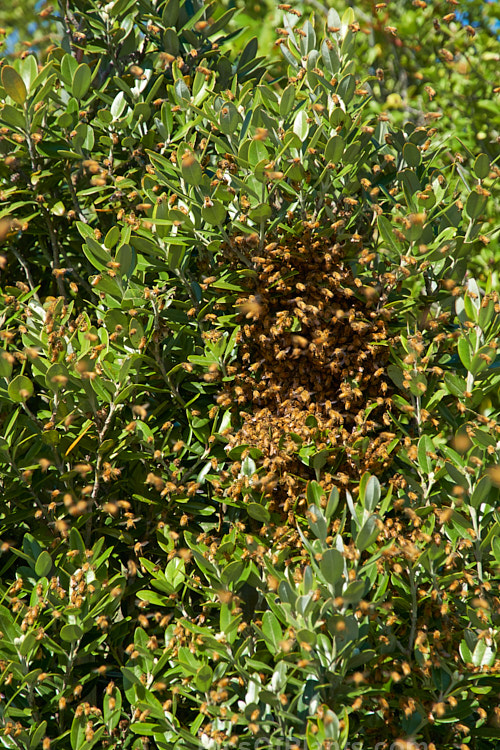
(229, 118)
(13, 84)
(112, 237)
(483, 654)
(272, 631)
(127, 259)
(455, 384)
(287, 101)
(204, 678)
(5, 365)
(81, 81)
(332, 503)
(77, 735)
(20, 389)
(482, 166)
(214, 213)
(354, 592)
(371, 493)
(190, 167)
(411, 185)
(465, 652)
(38, 734)
(57, 376)
(261, 212)
(346, 88)
(135, 332)
(152, 598)
(170, 13)
(232, 572)
(220, 23)
(367, 534)
(248, 466)
(28, 644)
(385, 229)
(314, 493)
(300, 126)
(144, 728)
(97, 255)
(331, 57)
(182, 93)
(332, 565)
(317, 522)
(334, 149)
(424, 447)
(257, 152)
(71, 632)
(411, 154)
(481, 491)
(112, 715)
(475, 204)
(76, 542)
(464, 352)
(258, 512)
(12, 117)
(43, 564)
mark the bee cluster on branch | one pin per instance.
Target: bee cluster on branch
(313, 348)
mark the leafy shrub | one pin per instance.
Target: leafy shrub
(249, 392)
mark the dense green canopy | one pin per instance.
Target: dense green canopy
(249, 381)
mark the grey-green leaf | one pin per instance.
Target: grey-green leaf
(43, 564)
(81, 81)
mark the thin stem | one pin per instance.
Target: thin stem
(477, 543)
(95, 489)
(74, 198)
(166, 376)
(67, 676)
(414, 609)
(55, 252)
(29, 278)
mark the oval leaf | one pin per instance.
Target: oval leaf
(213, 213)
(258, 512)
(20, 389)
(317, 522)
(481, 491)
(425, 446)
(411, 154)
(475, 204)
(13, 84)
(204, 677)
(81, 81)
(71, 633)
(482, 166)
(300, 126)
(190, 168)
(332, 565)
(43, 564)
(272, 630)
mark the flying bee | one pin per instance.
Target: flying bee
(300, 341)
(252, 310)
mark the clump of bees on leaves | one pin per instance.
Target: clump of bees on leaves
(313, 348)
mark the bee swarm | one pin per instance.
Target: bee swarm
(313, 343)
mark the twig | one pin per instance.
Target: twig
(55, 252)
(27, 271)
(95, 489)
(74, 198)
(414, 608)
